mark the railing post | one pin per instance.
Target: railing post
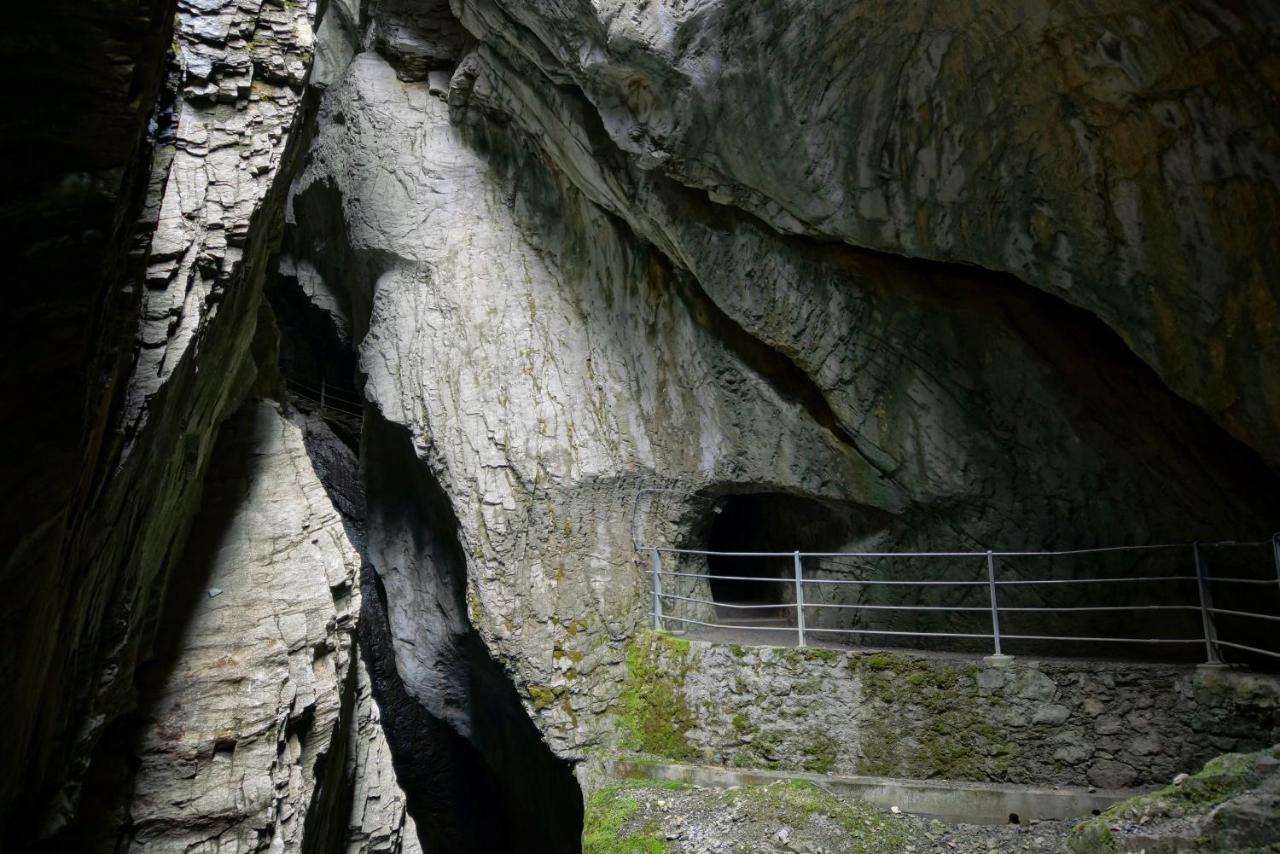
(799, 600)
(1275, 552)
(1206, 602)
(657, 590)
(995, 608)
(322, 392)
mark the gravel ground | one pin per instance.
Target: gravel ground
(788, 818)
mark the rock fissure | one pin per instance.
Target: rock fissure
(361, 332)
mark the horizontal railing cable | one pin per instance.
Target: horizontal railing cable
(977, 554)
(1252, 614)
(1126, 580)
(327, 400)
(1055, 609)
(1102, 640)
(827, 563)
(352, 396)
(1247, 648)
(754, 628)
(982, 608)
(676, 598)
(819, 580)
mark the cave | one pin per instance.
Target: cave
(767, 522)
(393, 382)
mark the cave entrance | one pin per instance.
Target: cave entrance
(765, 522)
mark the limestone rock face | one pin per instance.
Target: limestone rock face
(257, 728)
(1123, 159)
(176, 345)
(245, 738)
(242, 75)
(586, 352)
(955, 276)
(379, 822)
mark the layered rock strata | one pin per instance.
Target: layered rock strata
(178, 345)
(1122, 159)
(257, 728)
(564, 330)
(244, 743)
(955, 277)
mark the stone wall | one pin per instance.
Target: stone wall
(1102, 723)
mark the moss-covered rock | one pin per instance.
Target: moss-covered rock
(655, 714)
(608, 811)
(640, 817)
(955, 737)
(1232, 804)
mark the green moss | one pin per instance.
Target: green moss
(737, 650)
(951, 736)
(808, 687)
(1221, 779)
(655, 714)
(606, 814)
(820, 654)
(562, 652)
(680, 646)
(541, 696)
(794, 803)
(955, 747)
(568, 710)
(740, 723)
(789, 655)
(820, 753)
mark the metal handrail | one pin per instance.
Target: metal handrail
(1202, 579)
(326, 400)
(975, 553)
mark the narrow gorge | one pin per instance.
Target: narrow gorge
(605, 425)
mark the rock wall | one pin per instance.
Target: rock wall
(157, 261)
(244, 737)
(961, 276)
(177, 340)
(75, 160)
(256, 728)
(585, 350)
(1041, 722)
(1113, 155)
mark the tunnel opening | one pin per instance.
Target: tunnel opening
(743, 587)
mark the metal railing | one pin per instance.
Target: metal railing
(337, 399)
(807, 582)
